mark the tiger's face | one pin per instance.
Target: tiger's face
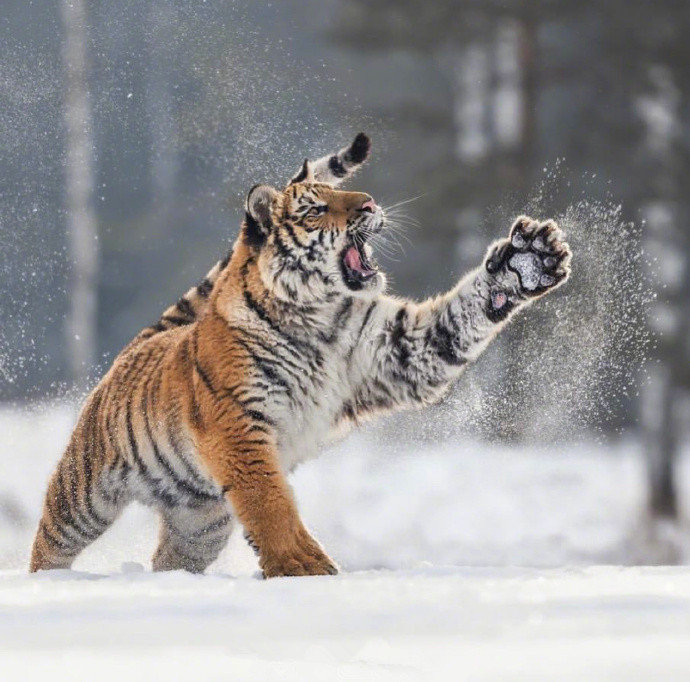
(313, 241)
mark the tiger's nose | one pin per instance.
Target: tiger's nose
(369, 205)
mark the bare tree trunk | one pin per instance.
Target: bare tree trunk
(659, 110)
(81, 220)
(160, 110)
(661, 442)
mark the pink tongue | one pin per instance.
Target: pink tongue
(352, 259)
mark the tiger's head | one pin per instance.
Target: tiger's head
(311, 239)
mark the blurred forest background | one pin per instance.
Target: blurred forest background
(131, 130)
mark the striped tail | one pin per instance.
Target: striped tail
(191, 306)
(336, 168)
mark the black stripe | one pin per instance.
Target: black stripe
(231, 390)
(203, 374)
(204, 287)
(271, 374)
(241, 450)
(259, 416)
(442, 340)
(399, 338)
(302, 173)
(266, 365)
(181, 484)
(204, 377)
(56, 505)
(291, 231)
(260, 428)
(226, 260)
(359, 149)
(283, 248)
(59, 544)
(251, 543)
(120, 396)
(185, 307)
(299, 349)
(411, 383)
(377, 403)
(95, 443)
(76, 519)
(347, 412)
(188, 466)
(83, 525)
(340, 319)
(290, 291)
(62, 526)
(153, 482)
(218, 524)
(105, 436)
(239, 395)
(367, 315)
(253, 399)
(133, 447)
(273, 350)
(177, 321)
(265, 317)
(336, 167)
(255, 441)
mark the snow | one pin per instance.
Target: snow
(602, 623)
(428, 537)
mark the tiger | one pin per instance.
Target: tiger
(288, 341)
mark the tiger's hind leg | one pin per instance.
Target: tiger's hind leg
(79, 507)
(191, 538)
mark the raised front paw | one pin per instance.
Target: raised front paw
(303, 557)
(536, 253)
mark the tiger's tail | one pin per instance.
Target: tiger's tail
(191, 306)
(336, 168)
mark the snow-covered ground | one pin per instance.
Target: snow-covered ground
(428, 537)
(599, 623)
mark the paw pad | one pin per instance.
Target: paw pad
(538, 243)
(529, 267)
(498, 299)
(535, 252)
(518, 241)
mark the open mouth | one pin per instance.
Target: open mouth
(357, 267)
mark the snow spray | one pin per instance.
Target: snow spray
(572, 362)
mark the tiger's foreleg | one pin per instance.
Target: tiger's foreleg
(262, 499)
(419, 349)
(264, 503)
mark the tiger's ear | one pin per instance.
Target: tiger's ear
(259, 214)
(305, 174)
